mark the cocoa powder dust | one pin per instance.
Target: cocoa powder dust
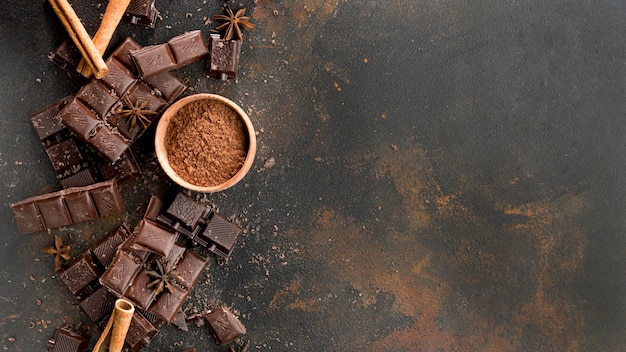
(206, 142)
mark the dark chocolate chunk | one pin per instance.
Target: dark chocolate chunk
(98, 305)
(81, 207)
(178, 52)
(106, 248)
(65, 340)
(223, 60)
(80, 273)
(168, 304)
(153, 238)
(225, 326)
(142, 12)
(189, 269)
(140, 332)
(120, 273)
(66, 56)
(186, 210)
(53, 212)
(138, 292)
(221, 235)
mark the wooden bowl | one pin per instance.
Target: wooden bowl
(161, 150)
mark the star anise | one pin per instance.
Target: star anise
(136, 112)
(60, 252)
(242, 349)
(233, 23)
(162, 277)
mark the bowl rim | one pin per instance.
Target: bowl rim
(161, 151)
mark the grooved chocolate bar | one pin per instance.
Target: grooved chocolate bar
(179, 51)
(75, 163)
(197, 222)
(66, 207)
(105, 113)
(223, 60)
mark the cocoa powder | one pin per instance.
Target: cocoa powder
(206, 142)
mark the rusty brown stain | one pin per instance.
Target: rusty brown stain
(427, 282)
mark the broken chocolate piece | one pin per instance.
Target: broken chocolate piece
(140, 332)
(220, 235)
(80, 273)
(65, 340)
(223, 60)
(141, 12)
(225, 326)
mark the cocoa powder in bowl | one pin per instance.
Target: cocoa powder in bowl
(206, 142)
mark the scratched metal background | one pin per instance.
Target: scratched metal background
(449, 175)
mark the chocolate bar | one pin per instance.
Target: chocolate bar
(141, 12)
(179, 51)
(223, 60)
(68, 206)
(76, 164)
(197, 222)
(104, 114)
(65, 340)
(225, 326)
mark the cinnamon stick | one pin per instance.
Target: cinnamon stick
(79, 36)
(114, 334)
(112, 16)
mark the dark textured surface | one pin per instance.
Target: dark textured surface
(430, 176)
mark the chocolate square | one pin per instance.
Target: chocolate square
(166, 86)
(185, 210)
(189, 269)
(66, 56)
(188, 47)
(118, 78)
(222, 233)
(79, 274)
(27, 218)
(120, 272)
(64, 155)
(81, 207)
(226, 327)
(153, 59)
(153, 238)
(65, 340)
(168, 304)
(98, 305)
(138, 292)
(107, 199)
(109, 143)
(53, 212)
(141, 12)
(140, 332)
(105, 250)
(97, 97)
(79, 119)
(47, 121)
